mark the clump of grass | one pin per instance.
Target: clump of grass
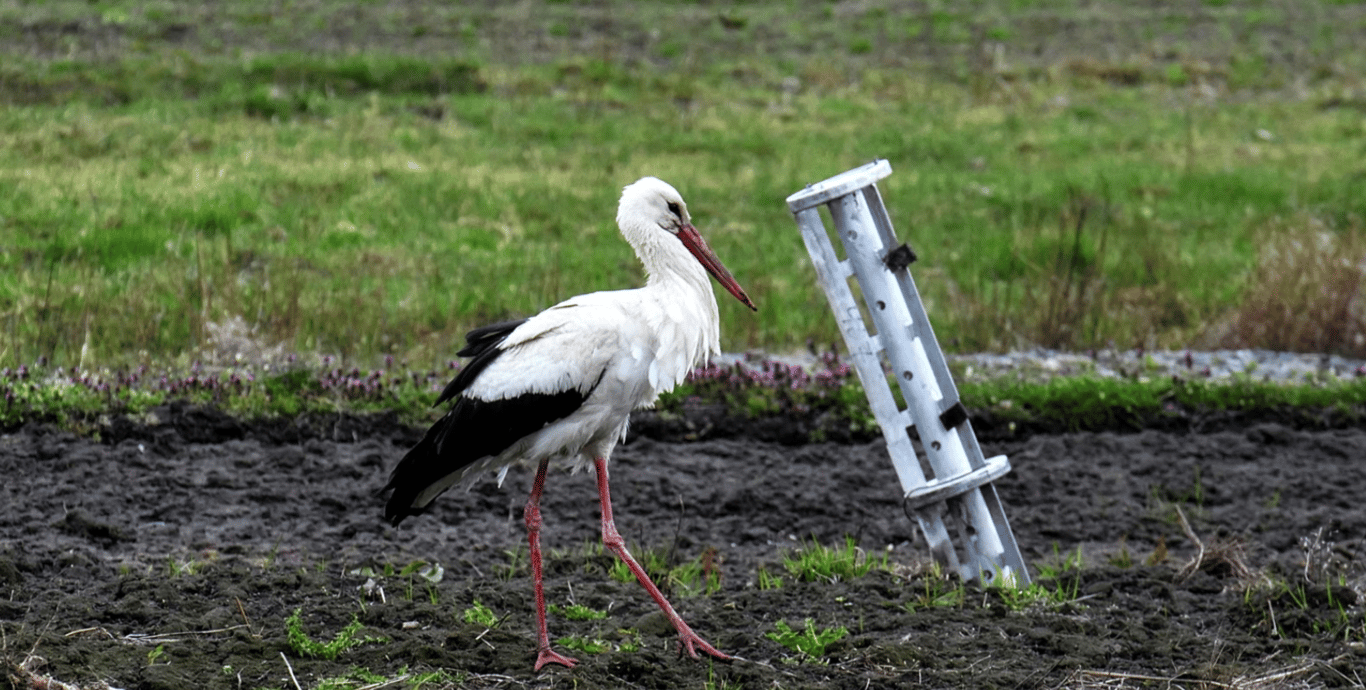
(1039, 594)
(809, 643)
(768, 580)
(699, 576)
(345, 639)
(585, 645)
(819, 563)
(577, 612)
(177, 568)
(479, 614)
(938, 590)
(1289, 610)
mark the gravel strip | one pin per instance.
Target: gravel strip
(1260, 365)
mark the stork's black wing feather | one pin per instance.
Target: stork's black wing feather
(481, 344)
(473, 429)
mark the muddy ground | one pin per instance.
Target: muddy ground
(170, 555)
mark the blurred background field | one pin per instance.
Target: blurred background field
(372, 179)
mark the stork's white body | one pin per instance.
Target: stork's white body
(563, 383)
(620, 348)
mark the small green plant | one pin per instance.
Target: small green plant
(585, 645)
(577, 612)
(1071, 562)
(155, 656)
(355, 677)
(514, 565)
(271, 556)
(429, 573)
(301, 643)
(809, 643)
(620, 571)
(820, 563)
(938, 591)
(1123, 559)
(1289, 610)
(178, 568)
(714, 683)
(438, 677)
(768, 581)
(479, 614)
(1037, 594)
(698, 576)
(630, 640)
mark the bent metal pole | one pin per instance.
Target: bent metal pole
(960, 493)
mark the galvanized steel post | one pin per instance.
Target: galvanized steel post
(960, 492)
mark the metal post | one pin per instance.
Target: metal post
(960, 492)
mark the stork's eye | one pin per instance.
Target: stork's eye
(673, 208)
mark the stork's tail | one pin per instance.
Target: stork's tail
(416, 479)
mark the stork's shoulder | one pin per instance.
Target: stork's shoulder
(567, 346)
(585, 317)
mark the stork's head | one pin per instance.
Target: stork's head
(649, 209)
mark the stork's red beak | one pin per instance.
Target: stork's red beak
(698, 246)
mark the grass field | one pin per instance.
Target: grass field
(373, 179)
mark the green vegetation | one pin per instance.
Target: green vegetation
(1044, 592)
(359, 678)
(819, 563)
(479, 614)
(1058, 583)
(809, 643)
(768, 580)
(383, 202)
(585, 645)
(85, 401)
(938, 590)
(699, 576)
(176, 567)
(345, 639)
(577, 612)
(1289, 610)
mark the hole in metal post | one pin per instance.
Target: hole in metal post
(907, 375)
(934, 445)
(881, 305)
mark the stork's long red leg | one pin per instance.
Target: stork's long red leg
(532, 514)
(612, 540)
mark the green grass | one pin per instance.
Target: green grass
(347, 638)
(819, 563)
(1287, 610)
(809, 643)
(697, 577)
(479, 614)
(577, 612)
(384, 202)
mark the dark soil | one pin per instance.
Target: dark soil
(170, 555)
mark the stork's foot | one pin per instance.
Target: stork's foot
(550, 656)
(689, 641)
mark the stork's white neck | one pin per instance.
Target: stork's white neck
(678, 281)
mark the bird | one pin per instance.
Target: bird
(562, 385)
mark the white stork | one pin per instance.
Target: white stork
(563, 383)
